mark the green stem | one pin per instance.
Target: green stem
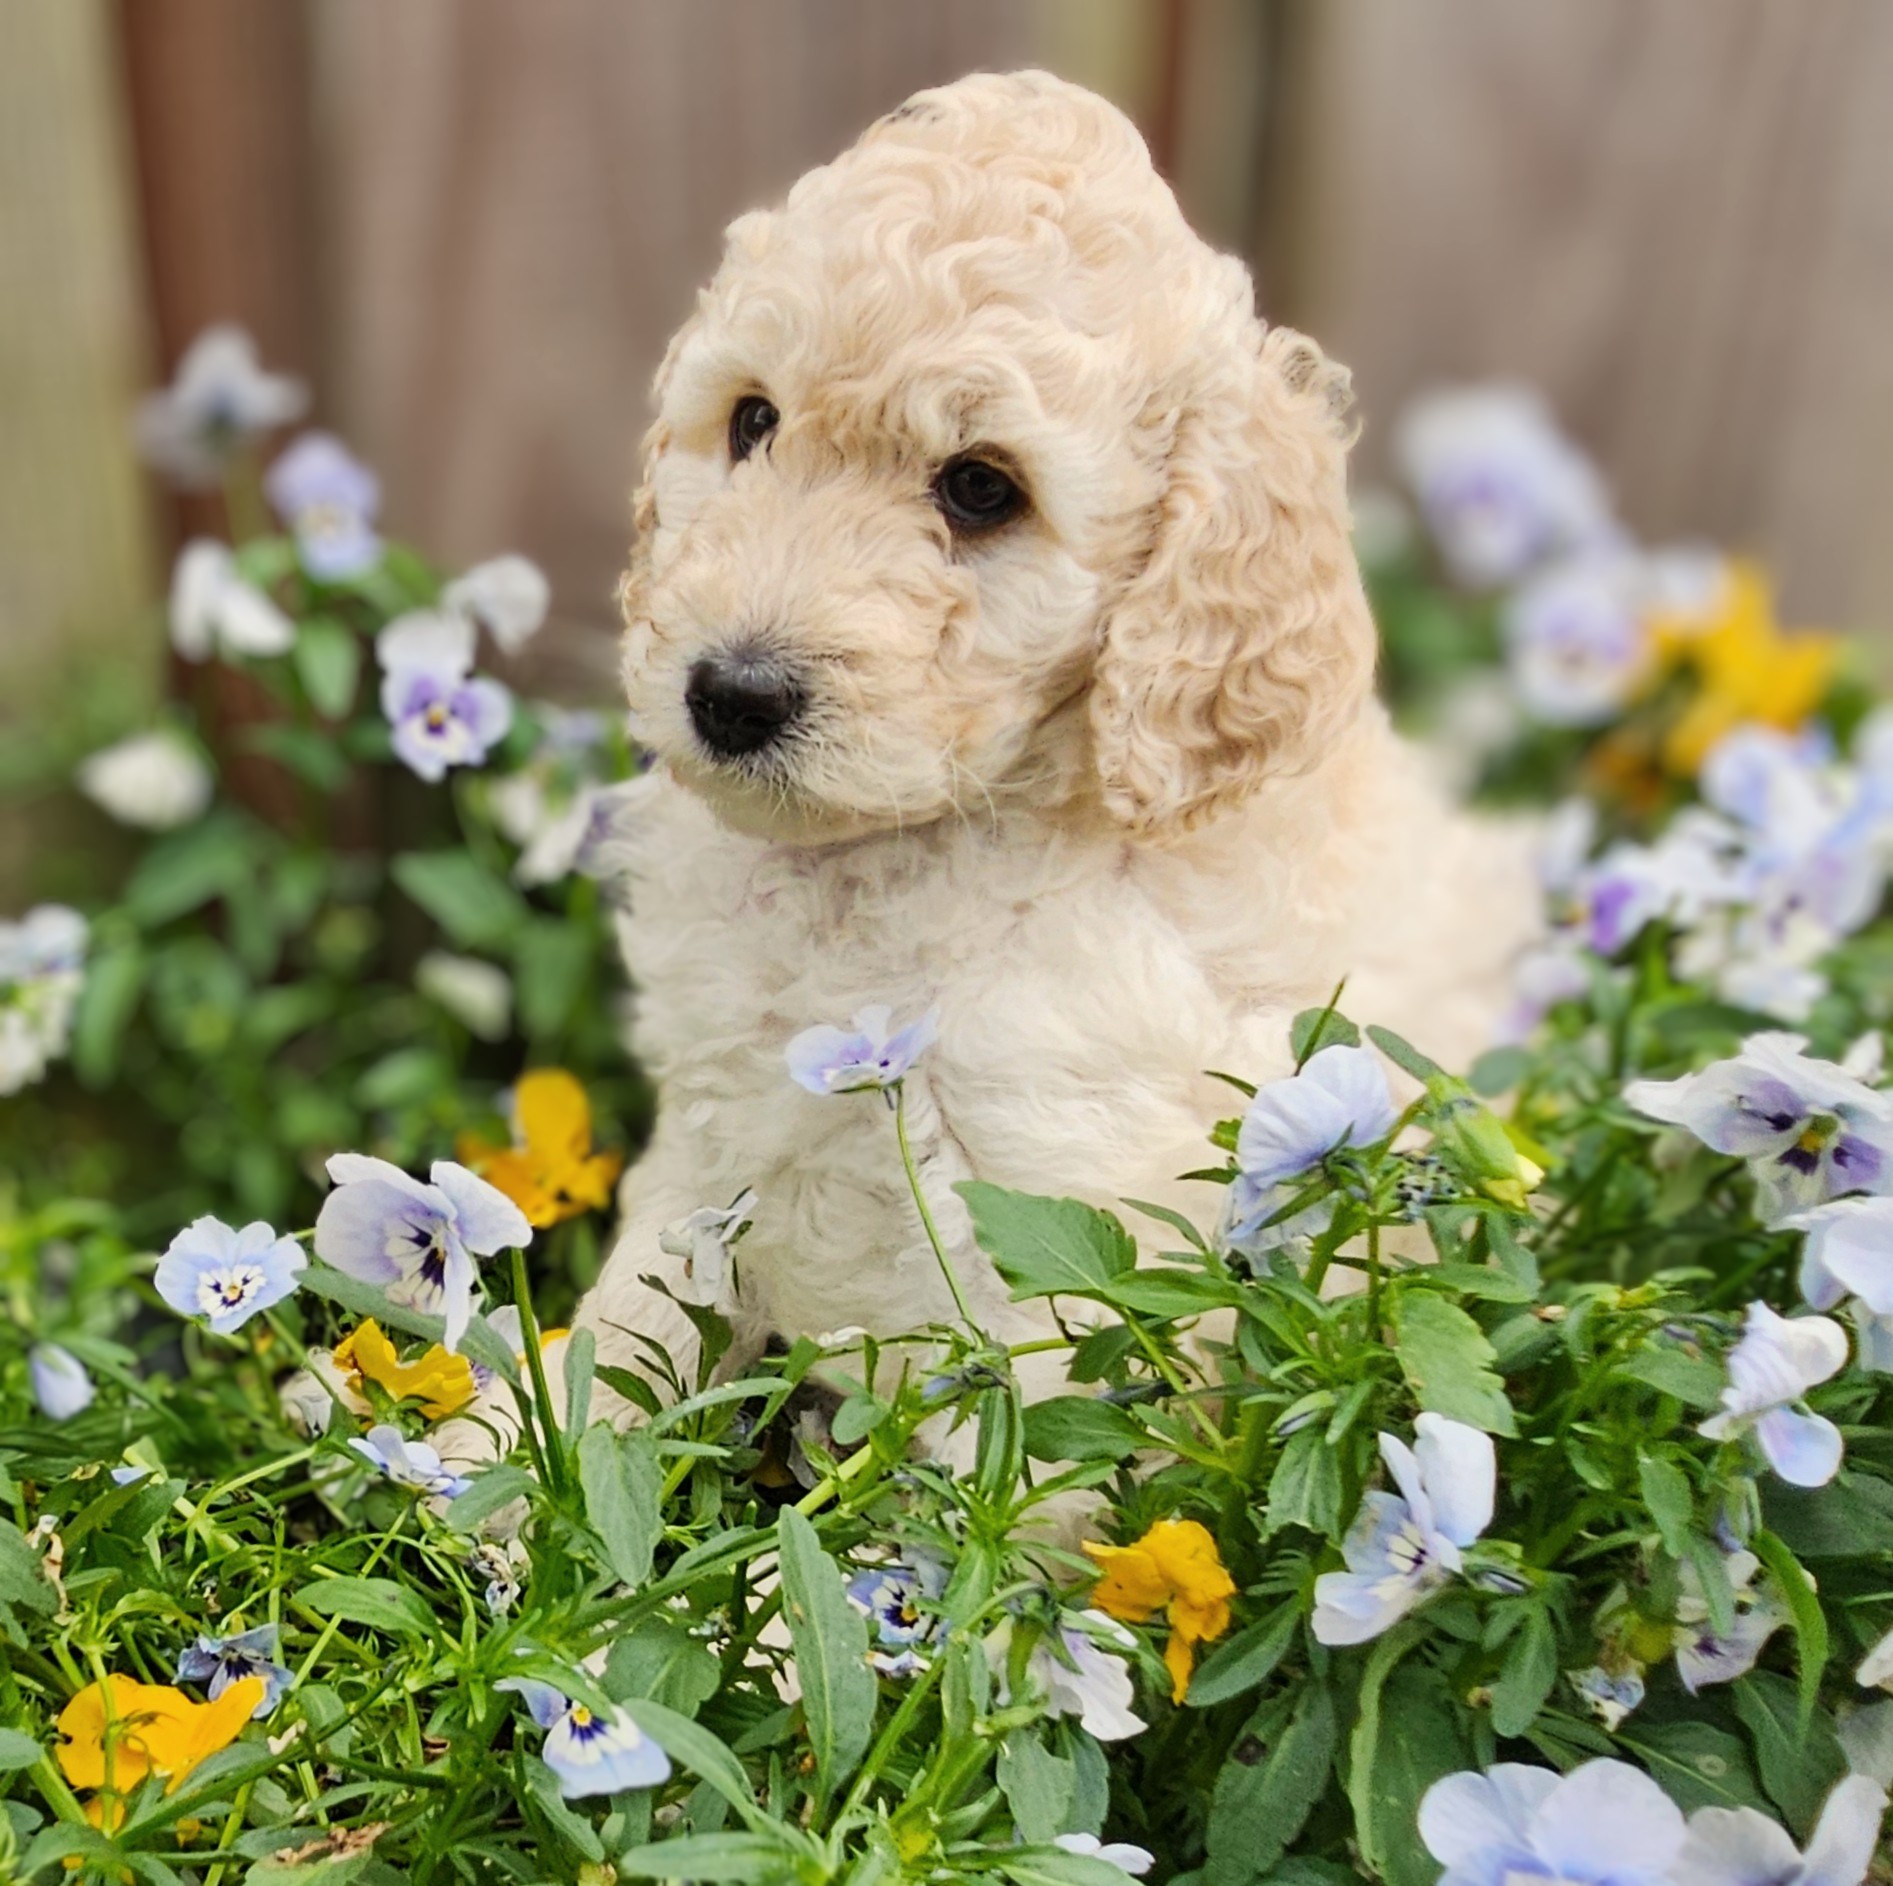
(536, 1365)
(926, 1213)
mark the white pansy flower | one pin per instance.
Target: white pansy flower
(476, 993)
(507, 596)
(215, 611)
(1741, 1847)
(154, 781)
(704, 1241)
(1770, 1370)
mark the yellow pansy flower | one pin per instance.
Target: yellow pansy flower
(439, 1380)
(551, 1171)
(147, 1729)
(1175, 1565)
(1747, 667)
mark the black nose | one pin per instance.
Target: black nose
(741, 701)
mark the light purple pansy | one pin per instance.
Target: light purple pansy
(1081, 1678)
(898, 1600)
(62, 1387)
(411, 1464)
(1575, 643)
(218, 398)
(418, 1241)
(1848, 1253)
(1741, 1847)
(220, 1661)
(1603, 1824)
(1402, 1547)
(1704, 1656)
(328, 498)
(441, 713)
(222, 1277)
(1809, 1130)
(1770, 1370)
(828, 1060)
(591, 1753)
(1339, 1098)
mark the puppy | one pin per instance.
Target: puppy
(995, 625)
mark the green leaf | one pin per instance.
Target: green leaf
(1498, 1071)
(831, 1653)
(1174, 1219)
(492, 1488)
(1799, 1760)
(1305, 1488)
(1038, 1787)
(1667, 1496)
(623, 1484)
(1053, 1866)
(1245, 1660)
(753, 1859)
(1403, 1054)
(1043, 1246)
(476, 908)
(1268, 1787)
(1079, 1427)
(114, 980)
(328, 657)
(188, 868)
(1408, 1739)
(22, 1577)
(550, 960)
(1157, 1290)
(1448, 1363)
(1804, 1610)
(1849, 1518)
(379, 1603)
(1526, 1677)
(1317, 1028)
(699, 1750)
(663, 1663)
(1696, 1764)
(1694, 1380)
(311, 755)
(17, 1751)
(547, 1796)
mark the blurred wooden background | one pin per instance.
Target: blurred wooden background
(472, 224)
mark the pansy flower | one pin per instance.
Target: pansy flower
(705, 1240)
(62, 1387)
(1132, 1860)
(1575, 644)
(411, 1464)
(328, 499)
(1737, 1846)
(898, 1600)
(221, 1661)
(218, 399)
(441, 713)
(153, 782)
(114, 1735)
(42, 971)
(1174, 1568)
(551, 1171)
(1705, 1656)
(506, 596)
(1603, 1824)
(418, 1241)
(215, 611)
(1808, 1129)
(439, 1380)
(1079, 1677)
(591, 1752)
(1770, 1370)
(1402, 1547)
(223, 1277)
(828, 1060)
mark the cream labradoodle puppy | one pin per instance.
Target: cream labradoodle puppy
(996, 628)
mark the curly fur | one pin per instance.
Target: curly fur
(1108, 787)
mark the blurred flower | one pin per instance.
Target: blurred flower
(1740, 1847)
(1134, 1861)
(308, 1395)
(503, 1566)
(551, 1171)
(408, 1463)
(829, 1060)
(1381, 523)
(215, 611)
(1809, 1131)
(590, 1753)
(1403, 1547)
(1849, 1252)
(61, 1386)
(222, 1661)
(113, 1738)
(1611, 1696)
(154, 781)
(417, 1241)
(1339, 1098)
(1174, 1567)
(1876, 1667)
(439, 1380)
(442, 713)
(507, 597)
(1080, 1678)
(1746, 668)
(223, 1276)
(1705, 1657)
(1770, 1370)
(328, 500)
(1575, 646)
(704, 1240)
(218, 399)
(1500, 487)
(896, 1598)
(1603, 1824)
(42, 958)
(476, 993)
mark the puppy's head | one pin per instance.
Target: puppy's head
(976, 475)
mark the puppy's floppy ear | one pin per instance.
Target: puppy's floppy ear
(1243, 646)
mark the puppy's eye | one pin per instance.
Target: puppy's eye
(752, 419)
(973, 495)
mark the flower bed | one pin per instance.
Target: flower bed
(1551, 1546)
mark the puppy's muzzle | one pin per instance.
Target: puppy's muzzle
(742, 700)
